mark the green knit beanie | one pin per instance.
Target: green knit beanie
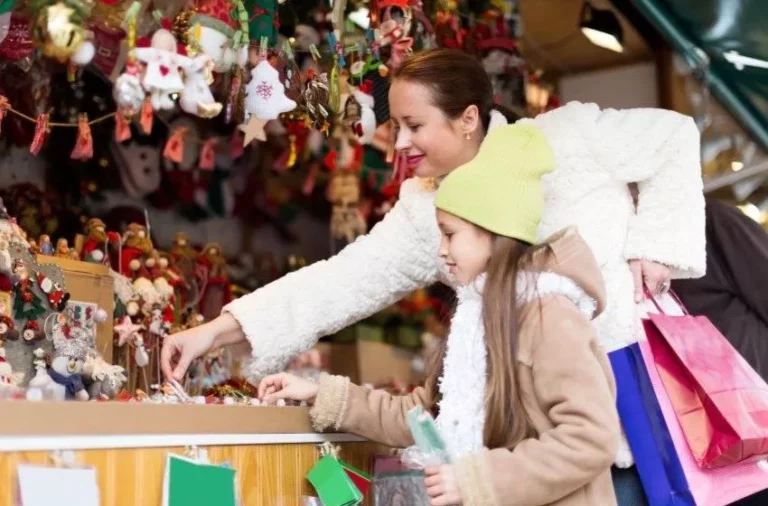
(500, 190)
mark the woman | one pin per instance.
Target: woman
(441, 102)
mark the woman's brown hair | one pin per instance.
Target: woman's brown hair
(506, 423)
(456, 80)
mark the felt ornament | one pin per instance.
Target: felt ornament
(263, 21)
(253, 129)
(8, 330)
(364, 126)
(83, 149)
(265, 94)
(107, 40)
(208, 154)
(17, 44)
(42, 129)
(161, 77)
(57, 296)
(122, 128)
(174, 148)
(32, 333)
(126, 331)
(220, 29)
(147, 116)
(196, 97)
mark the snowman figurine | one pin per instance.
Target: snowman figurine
(41, 385)
(66, 371)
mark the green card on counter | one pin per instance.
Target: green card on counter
(193, 483)
(333, 485)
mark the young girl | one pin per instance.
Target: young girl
(523, 394)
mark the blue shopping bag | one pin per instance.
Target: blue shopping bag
(657, 462)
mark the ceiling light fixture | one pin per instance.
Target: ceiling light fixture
(602, 27)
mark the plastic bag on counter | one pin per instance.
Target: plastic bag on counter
(395, 484)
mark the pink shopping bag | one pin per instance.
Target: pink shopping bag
(710, 487)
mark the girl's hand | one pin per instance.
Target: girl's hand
(653, 274)
(442, 488)
(286, 386)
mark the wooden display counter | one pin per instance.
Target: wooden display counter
(271, 448)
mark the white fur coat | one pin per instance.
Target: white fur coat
(598, 153)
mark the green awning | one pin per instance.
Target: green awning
(704, 31)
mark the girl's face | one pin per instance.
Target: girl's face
(434, 144)
(465, 248)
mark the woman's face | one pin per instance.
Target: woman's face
(434, 144)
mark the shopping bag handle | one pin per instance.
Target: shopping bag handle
(672, 294)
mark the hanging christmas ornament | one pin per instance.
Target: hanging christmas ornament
(253, 129)
(338, 61)
(363, 123)
(262, 20)
(208, 154)
(196, 97)
(265, 94)
(220, 28)
(147, 116)
(316, 101)
(83, 149)
(4, 105)
(17, 44)
(107, 26)
(297, 134)
(174, 148)
(122, 127)
(161, 77)
(59, 30)
(41, 132)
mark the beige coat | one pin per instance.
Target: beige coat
(567, 389)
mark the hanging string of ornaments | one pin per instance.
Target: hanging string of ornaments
(162, 71)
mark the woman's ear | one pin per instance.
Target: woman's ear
(470, 119)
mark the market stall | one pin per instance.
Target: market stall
(272, 448)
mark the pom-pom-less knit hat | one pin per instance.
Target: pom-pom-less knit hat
(500, 189)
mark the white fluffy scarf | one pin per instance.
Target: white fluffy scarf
(462, 386)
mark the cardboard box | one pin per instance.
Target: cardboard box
(372, 362)
(90, 283)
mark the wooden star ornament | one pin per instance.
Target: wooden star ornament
(253, 129)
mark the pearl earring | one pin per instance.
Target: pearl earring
(466, 135)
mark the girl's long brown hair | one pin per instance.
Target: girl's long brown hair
(506, 423)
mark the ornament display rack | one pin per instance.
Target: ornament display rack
(272, 448)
